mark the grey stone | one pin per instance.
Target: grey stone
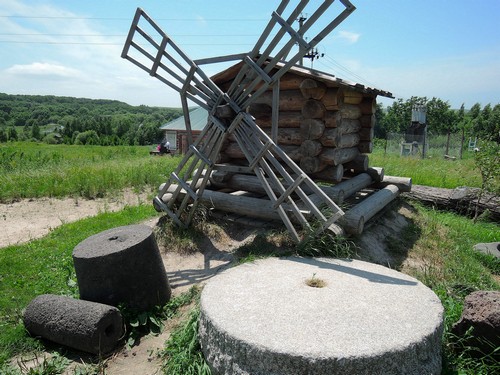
(83, 325)
(481, 313)
(262, 318)
(490, 248)
(122, 265)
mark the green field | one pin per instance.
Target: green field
(435, 171)
(32, 170)
(44, 265)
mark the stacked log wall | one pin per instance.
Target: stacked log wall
(325, 127)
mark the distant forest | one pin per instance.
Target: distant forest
(55, 119)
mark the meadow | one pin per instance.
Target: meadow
(33, 170)
(444, 240)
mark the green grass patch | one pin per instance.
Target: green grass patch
(443, 259)
(435, 171)
(142, 323)
(31, 170)
(182, 354)
(46, 266)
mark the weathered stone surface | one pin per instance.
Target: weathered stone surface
(262, 318)
(482, 314)
(490, 248)
(83, 325)
(122, 265)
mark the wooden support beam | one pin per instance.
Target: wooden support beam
(404, 184)
(355, 219)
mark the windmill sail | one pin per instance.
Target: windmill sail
(284, 182)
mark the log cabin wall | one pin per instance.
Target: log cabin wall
(325, 125)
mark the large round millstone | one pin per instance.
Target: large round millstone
(122, 265)
(263, 318)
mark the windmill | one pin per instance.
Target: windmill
(286, 185)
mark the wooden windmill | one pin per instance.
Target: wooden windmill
(286, 185)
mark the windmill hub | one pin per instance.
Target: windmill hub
(265, 318)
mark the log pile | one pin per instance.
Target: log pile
(324, 126)
(233, 190)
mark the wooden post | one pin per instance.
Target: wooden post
(404, 184)
(354, 184)
(355, 219)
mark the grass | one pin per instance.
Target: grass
(45, 266)
(182, 354)
(444, 260)
(30, 170)
(435, 171)
(439, 243)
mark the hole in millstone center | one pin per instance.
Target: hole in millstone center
(109, 330)
(114, 238)
(315, 282)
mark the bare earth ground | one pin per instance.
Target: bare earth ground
(30, 219)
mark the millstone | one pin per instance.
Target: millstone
(82, 325)
(357, 318)
(122, 265)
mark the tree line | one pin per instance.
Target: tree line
(70, 120)
(477, 121)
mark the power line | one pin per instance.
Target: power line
(124, 35)
(129, 18)
(119, 44)
(336, 65)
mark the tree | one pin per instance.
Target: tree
(35, 131)
(487, 160)
(88, 137)
(12, 134)
(440, 118)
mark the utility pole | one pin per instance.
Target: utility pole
(313, 53)
(301, 23)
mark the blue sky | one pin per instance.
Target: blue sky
(448, 49)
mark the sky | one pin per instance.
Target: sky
(448, 49)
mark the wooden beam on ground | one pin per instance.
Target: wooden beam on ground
(404, 184)
(354, 219)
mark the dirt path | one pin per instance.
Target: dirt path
(29, 219)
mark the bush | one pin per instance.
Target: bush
(52, 139)
(88, 137)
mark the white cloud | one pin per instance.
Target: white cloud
(348, 36)
(43, 69)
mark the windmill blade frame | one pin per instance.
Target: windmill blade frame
(164, 60)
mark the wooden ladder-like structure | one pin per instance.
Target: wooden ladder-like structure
(284, 182)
